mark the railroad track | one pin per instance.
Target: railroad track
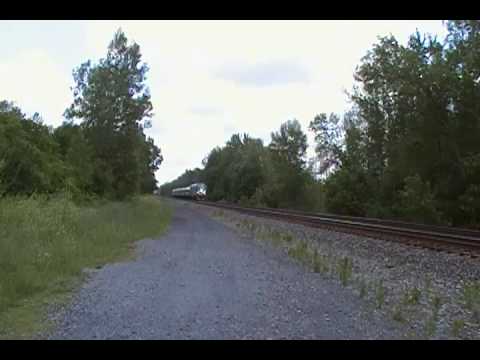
(440, 238)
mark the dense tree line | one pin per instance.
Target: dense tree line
(187, 178)
(409, 148)
(106, 154)
(411, 145)
(248, 172)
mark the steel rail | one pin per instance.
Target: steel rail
(430, 236)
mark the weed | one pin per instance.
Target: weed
(428, 284)
(412, 296)
(320, 264)
(45, 243)
(457, 327)
(471, 296)
(345, 270)
(379, 294)
(398, 314)
(431, 323)
(437, 304)
(299, 251)
(288, 237)
(363, 288)
(430, 326)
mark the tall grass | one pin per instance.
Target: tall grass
(45, 243)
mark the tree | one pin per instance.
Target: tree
(234, 171)
(290, 143)
(77, 155)
(414, 140)
(29, 155)
(187, 178)
(287, 175)
(328, 140)
(113, 102)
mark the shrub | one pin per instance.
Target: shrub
(417, 202)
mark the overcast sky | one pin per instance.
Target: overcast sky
(208, 79)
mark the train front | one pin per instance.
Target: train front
(199, 191)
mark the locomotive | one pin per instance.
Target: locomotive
(197, 191)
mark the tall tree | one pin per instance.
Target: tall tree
(113, 102)
(290, 143)
(327, 134)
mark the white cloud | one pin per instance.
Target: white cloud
(307, 65)
(264, 74)
(35, 82)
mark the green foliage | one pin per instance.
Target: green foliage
(409, 148)
(28, 154)
(187, 178)
(113, 102)
(328, 140)
(469, 205)
(320, 263)
(430, 326)
(247, 172)
(397, 314)
(290, 143)
(235, 171)
(363, 288)
(471, 296)
(107, 154)
(457, 326)
(412, 296)
(347, 192)
(299, 251)
(416, 201)
(379, 294)
(344, 269)
(45, 243)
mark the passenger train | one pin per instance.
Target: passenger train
(196, 191)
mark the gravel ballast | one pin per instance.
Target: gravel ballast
(421, 290)
(205, 280)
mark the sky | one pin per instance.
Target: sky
(208, 79)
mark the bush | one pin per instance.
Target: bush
(417, 203)
(469, 204)
(347, 192)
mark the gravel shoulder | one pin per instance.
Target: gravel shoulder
(204, 280)
(428, 294)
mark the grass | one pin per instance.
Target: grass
(431, 323)
(412, 296)
(457, 327)
(363, 288)
(45, 244)
(430, 327)
(398, 314)
(345, 270)
(379, 294)
(471, 296)
(300, 251)
(320, 263)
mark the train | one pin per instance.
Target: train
(197, 191)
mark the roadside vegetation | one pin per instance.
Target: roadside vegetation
(46, 243)
(72, 197)
(407, 149)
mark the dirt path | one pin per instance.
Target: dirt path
(202, 281)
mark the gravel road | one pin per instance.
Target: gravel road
(203, 281)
